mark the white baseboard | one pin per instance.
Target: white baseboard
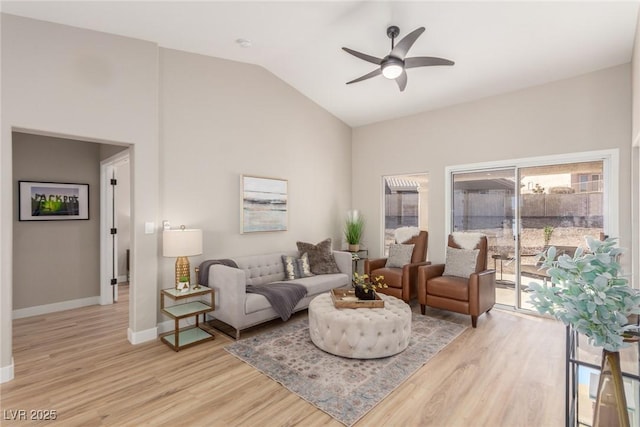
(6, 373)
(122, 279)
(55, 307)
(142, 336)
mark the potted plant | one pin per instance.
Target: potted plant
(353, 230)
(588, 293)
(365, 288)
(547, 231)
(183, 284)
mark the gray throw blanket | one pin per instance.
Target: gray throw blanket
(205, 265)
(282, 296)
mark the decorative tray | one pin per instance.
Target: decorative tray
(346, 298)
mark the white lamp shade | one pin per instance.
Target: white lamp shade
(178, 243)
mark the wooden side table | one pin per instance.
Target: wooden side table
(186, 337)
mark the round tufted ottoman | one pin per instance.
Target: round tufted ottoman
(360, 333)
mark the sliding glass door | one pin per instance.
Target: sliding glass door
(560, 205)
(525, 209)
(484, 201)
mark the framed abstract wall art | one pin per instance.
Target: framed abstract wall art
(264, 203)
(52, 201)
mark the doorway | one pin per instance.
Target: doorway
(115, 197)
(528, 206)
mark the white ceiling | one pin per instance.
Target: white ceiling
(498, 47)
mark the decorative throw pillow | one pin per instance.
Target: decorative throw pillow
(399, 255)
(321, 259)
(290, 267)
(304, 268)
(295, 268)
(460, 262)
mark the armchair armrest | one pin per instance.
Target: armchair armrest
(410, 276)
(429, 271)
(482, 291)
(414, 266)
(373, 264)
(426, 272)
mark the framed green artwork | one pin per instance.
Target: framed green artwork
(52, 201)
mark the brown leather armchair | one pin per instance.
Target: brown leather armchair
(401, 282)
(471, 295)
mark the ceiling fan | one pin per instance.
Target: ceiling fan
(394, 65)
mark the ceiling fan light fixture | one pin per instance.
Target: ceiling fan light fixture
(392, 68)
(394, 64)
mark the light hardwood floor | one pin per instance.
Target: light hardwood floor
(507, 372)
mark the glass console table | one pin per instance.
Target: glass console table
(583, 372)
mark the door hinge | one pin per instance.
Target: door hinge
(114, 181)
(114, 282)
(114, 231)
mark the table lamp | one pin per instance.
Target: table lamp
(182, 243)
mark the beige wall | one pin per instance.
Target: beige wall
(79, 84)
(222, 119)
(55, 261)
(636, 85)
(586, 113)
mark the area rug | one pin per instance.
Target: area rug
(346, 389)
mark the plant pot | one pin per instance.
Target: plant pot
(354, 248)
(611, 403)
(361, 294)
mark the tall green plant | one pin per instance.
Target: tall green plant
(354, 227)
(588, 293)
(547, 231)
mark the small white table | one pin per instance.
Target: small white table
(360, 333)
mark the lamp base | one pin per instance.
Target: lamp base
(183, 270)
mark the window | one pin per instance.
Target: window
(405, 204)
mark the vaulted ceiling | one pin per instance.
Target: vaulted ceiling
(497, 47)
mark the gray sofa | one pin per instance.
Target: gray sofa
(241, 310)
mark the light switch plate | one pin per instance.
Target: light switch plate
(149, 227)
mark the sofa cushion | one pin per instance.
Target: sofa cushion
(315, 285)
(399, 255)
(460, 262)
(320, 257)
(451, 287)
(321, 283)
(392, 276)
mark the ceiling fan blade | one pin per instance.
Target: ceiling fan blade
(364, 56)
(402, 80)
(401, 49)
(425, 61)
(374, 73)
